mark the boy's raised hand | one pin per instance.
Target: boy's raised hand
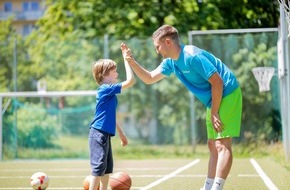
(126, 52)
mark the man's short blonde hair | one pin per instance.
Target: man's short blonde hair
(166, 31)
(101, 68)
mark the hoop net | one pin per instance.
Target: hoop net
(263, 75)
(286, 8)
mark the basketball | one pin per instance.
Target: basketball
(120, 181)
(87, 182)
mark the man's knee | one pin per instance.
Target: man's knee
(223, 144)
(212, 147)
(211, 144)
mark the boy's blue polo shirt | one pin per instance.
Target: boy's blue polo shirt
(106, 104)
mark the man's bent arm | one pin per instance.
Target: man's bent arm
(146, 76)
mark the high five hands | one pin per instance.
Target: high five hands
(127, 53)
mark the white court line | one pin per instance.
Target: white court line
(248, 175)
(171, 175)
(262, 174)
(176, 176)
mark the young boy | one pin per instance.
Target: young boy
(104, 125)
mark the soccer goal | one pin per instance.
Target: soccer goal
(54, 107)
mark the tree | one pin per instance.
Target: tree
(70, 35)
(6, 55)
(246, 14)
(13, 58)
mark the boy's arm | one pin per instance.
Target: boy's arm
(130, 80)
(146, 76)
(124, 140)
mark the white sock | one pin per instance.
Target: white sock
(208, 184)
(218, 184)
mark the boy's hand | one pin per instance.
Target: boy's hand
(124, 140)
(126, 52)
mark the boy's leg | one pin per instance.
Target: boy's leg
(98, 157)
(104, 182)
(109, 168)
(94, 184)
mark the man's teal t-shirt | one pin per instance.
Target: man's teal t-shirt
(106, 104)
(194, 67)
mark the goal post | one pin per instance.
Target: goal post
(284, 65)
(35, 94)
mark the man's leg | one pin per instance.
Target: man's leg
(225, 157)
(211, 172)
(224, 162)
(213, 158)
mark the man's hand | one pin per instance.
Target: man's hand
(217, 123)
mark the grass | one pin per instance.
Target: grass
(77, 147)
(65, 147)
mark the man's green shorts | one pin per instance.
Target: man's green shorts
(230, 113)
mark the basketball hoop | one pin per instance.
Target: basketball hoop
(263, 75)
(41, 86)
(286, 7)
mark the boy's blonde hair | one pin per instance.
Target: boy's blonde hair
(101, 68)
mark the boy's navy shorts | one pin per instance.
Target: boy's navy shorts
(101, 157)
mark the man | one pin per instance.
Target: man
(213, 83)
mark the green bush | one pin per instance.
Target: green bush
(35, 127)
